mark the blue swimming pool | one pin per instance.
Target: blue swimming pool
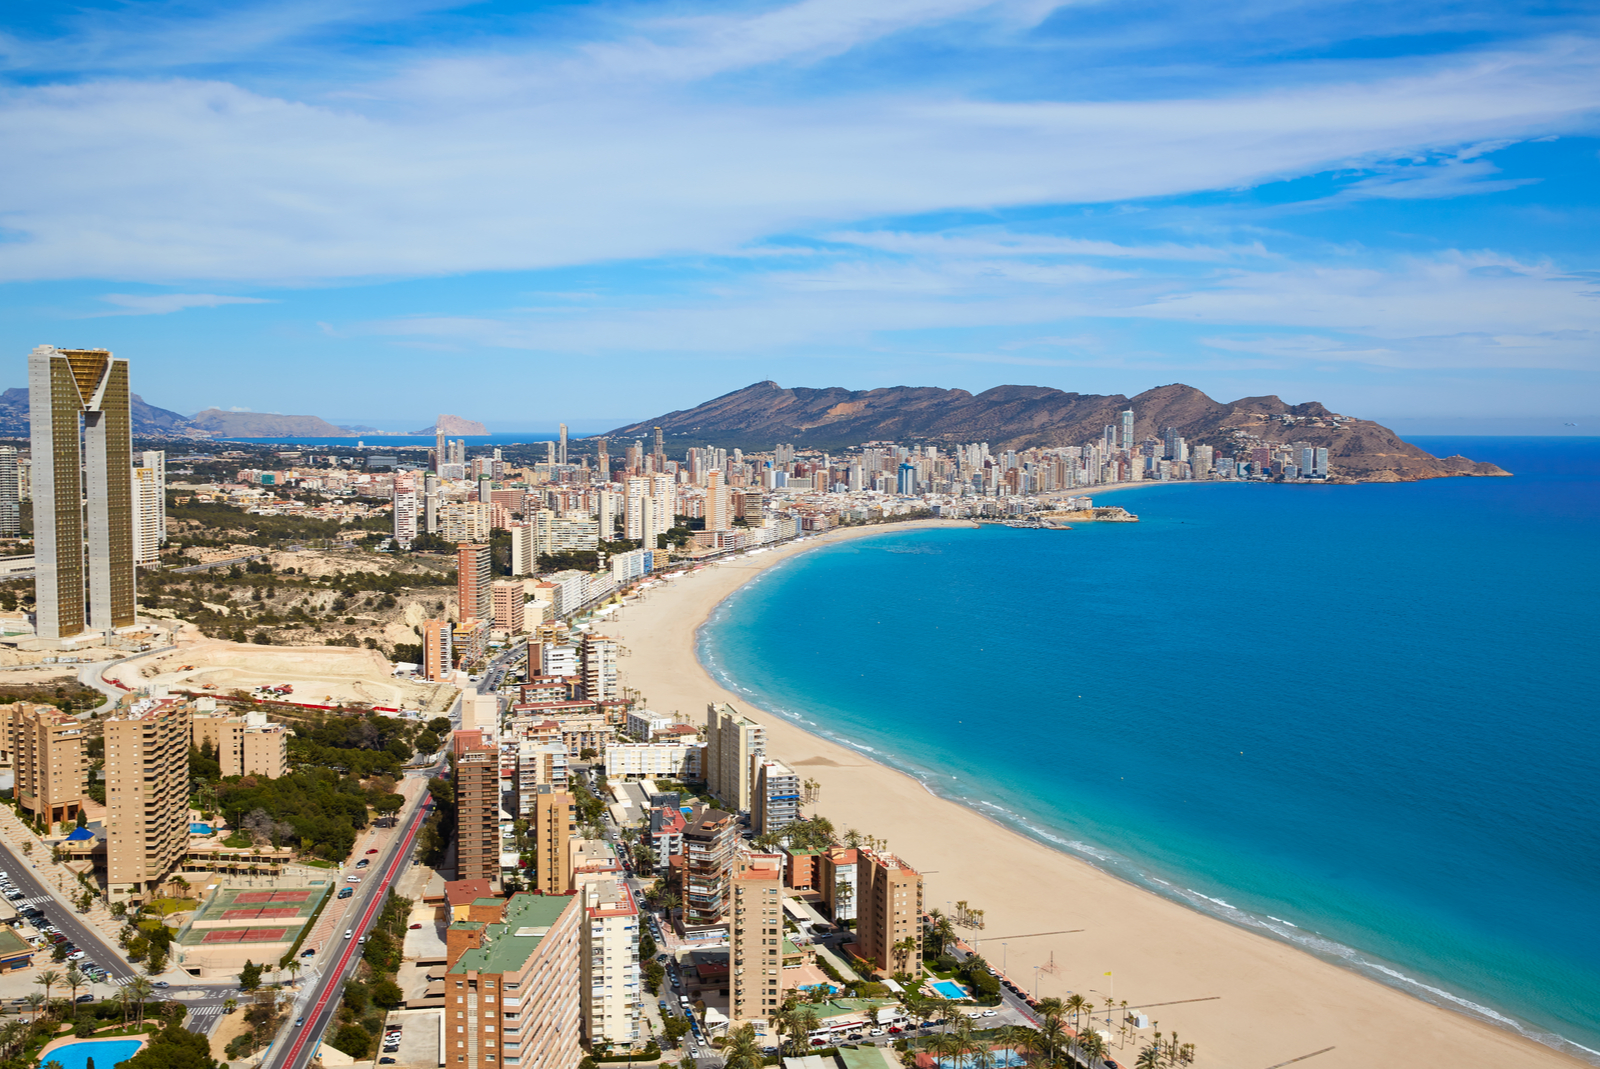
(105, 1052)
(199, 829)
(950, 989)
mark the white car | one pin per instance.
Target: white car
(990, 1013)
(348, 932)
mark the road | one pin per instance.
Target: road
(25, 874)
(318, 1001)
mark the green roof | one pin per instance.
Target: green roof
(506, 947)
(861, 1058)
(11, 943)
(487, 901)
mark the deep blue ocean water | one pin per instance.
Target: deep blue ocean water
(1363, 719)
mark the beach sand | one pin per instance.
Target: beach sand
(1266, 1003)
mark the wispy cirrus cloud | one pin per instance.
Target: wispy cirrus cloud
(146, 304)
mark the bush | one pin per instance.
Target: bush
(387, 994)
(85, 1027)
(353, 1040)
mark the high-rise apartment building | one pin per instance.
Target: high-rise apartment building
(47, 753)
(555, 825)
(430, 503)
(507, 598)
(561, 448)
(474, 570)
(708, 854)
(147, 794)
(755, 938)
(10, 492)
(775, 796)
(1127, 430)
(405, 509)
(149, 507)
(888, 897)
(511, 995)
(837, 871)
(82, 491)
(732, 740)
(477, 782)
(610, 984)
(248, 745)
(438, 650)
(719, 511)
(599, 668)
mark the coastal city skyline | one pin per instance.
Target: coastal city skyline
(1380, 213)
(799, 534)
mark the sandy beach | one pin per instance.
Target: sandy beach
(1246, 1001)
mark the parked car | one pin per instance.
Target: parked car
(363, 863)
(374, 850)
(162, 984)
(989, 1013)
(352, 879)
(414, 927)
(84, 998)
(308, 953)
(346, 892)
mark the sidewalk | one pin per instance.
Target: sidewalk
(63, 881)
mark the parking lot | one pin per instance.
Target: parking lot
(419, 1038)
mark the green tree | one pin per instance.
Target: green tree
(47, 979)
(250, 978)
(647, 945)
(353, 1040)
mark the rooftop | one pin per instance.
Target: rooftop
(507, 947)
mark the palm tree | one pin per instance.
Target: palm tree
(1053, 1034)
(294, 966)
(1149, 1058)
(125, 997)
(944, 1044)
(74, 979)
(1050, 1007)
(1091, 1045)
(47, 979)
(11, 1034)
(1074, 1005)
(141, 989)
(741, 1051)
(35, 1002)
(1007, 1036)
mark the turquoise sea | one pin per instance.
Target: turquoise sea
(1359, 719)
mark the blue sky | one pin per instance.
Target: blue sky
(599, 212)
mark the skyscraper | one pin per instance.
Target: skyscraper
(405, 509)
(147, 794)
(477, 782)
(149, 507)
(473, 572)
(732, 739)
(661, 452)
(561, 449)
(430, 503)
(1127, 429)
(438, 650)
(755, 938)
(10, 492)
(82, 490)
(719, 512)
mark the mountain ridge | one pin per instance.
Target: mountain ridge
(1020, 417)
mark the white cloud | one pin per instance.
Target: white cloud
(145, 304)
(536, 161)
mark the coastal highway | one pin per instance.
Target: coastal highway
(319, 1002)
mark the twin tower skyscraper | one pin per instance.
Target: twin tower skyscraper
(82, 438)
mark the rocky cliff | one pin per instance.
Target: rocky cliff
(1018, 417)
(266, 425)
(148, 420)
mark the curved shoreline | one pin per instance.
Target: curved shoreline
(1161, 948)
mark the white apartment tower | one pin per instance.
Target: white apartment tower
(733, 740)
(610, 958)
(10, 492)
(405, 509)
(149, 507)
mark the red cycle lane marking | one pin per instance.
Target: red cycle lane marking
(377, 900)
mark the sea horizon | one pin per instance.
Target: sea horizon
(1381, 919)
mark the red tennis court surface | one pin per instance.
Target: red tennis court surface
(246, 935)
(256, 897)
(260, 913)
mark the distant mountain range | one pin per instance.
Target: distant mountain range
(150, 421)
(1020, 417)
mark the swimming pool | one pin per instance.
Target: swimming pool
(950, 989)
(105, 1052)
(199, 829)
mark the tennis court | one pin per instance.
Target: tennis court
(261, 913)
(245, 935)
